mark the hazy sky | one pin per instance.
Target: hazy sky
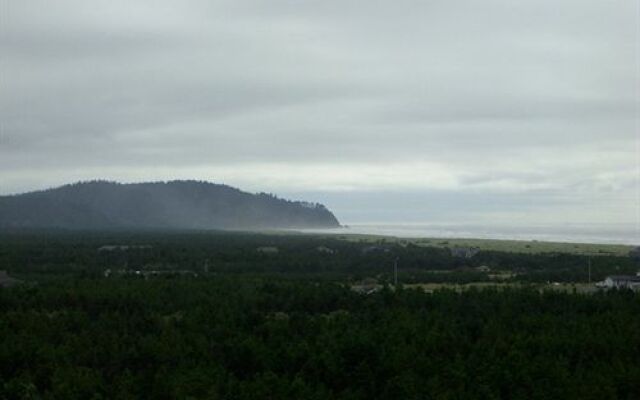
(400, 110)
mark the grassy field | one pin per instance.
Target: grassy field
(516, 246)
(529, 246)
(560, 287)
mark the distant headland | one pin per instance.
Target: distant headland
(97, 205)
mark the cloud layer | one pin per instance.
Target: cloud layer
(534, 99)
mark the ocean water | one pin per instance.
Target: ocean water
(601, 234)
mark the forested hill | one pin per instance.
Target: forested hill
(159, 205)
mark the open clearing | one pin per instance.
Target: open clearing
(516, 246)
(560, 287)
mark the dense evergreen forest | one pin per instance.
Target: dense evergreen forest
(323, 257)
(100, 205)
(274, 316)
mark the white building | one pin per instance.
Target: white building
(464, 252)
(620, 282)
(268, 250)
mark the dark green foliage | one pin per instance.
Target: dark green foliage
(285, 324)
(298, 256)
(248, 338)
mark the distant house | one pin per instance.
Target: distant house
(366, 286)
(175, 272)
(501, 276)
(520, 271)
(268, 250)
(150, 273)
(119, 247)
(7, 281)
(464, 252)
(483, 268)
(375, 249)
(324, 249)
(110, 248)
(620, 282)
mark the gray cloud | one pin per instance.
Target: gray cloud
(536, 99)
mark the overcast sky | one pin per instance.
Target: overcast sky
(400, 110)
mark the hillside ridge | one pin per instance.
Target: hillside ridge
(178, 204)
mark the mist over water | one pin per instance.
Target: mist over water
(585, 233)
(516, 216)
